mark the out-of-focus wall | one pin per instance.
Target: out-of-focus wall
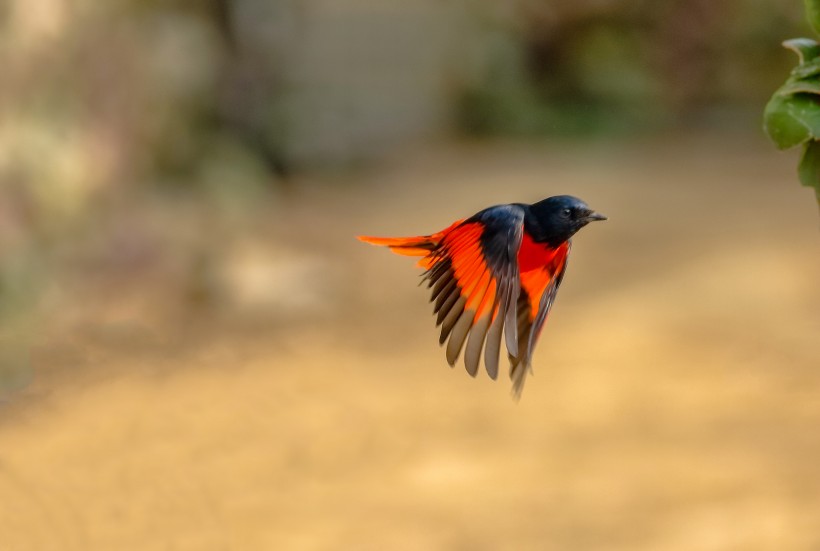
(363, 77)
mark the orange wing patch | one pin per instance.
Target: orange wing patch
(462, 246)
(470, 305)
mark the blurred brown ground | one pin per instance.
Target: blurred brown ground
(675, 403)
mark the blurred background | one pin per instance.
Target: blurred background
(197, 354)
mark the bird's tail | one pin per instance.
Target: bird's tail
(406, 246)
(421, 245)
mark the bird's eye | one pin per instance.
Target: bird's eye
(566, 213)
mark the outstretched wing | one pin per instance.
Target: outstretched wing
(542, 269)
(472, 269)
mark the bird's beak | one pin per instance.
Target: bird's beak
(595, 216)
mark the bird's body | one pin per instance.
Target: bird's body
(495, 275)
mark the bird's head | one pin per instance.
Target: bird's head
(560, 217)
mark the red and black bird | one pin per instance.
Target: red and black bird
(497, 272)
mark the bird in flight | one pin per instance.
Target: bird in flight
(497, 272)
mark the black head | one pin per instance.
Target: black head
(558, 218)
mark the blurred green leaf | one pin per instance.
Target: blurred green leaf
(792, 120)
(809, 168)
(813, 13)
(806, 70)
(799, 86)
(805, 48)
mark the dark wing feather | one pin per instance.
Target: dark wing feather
(543, 270)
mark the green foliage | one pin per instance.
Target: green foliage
(792, 119)
(809, 168)
(792, 116)
(813, 14)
